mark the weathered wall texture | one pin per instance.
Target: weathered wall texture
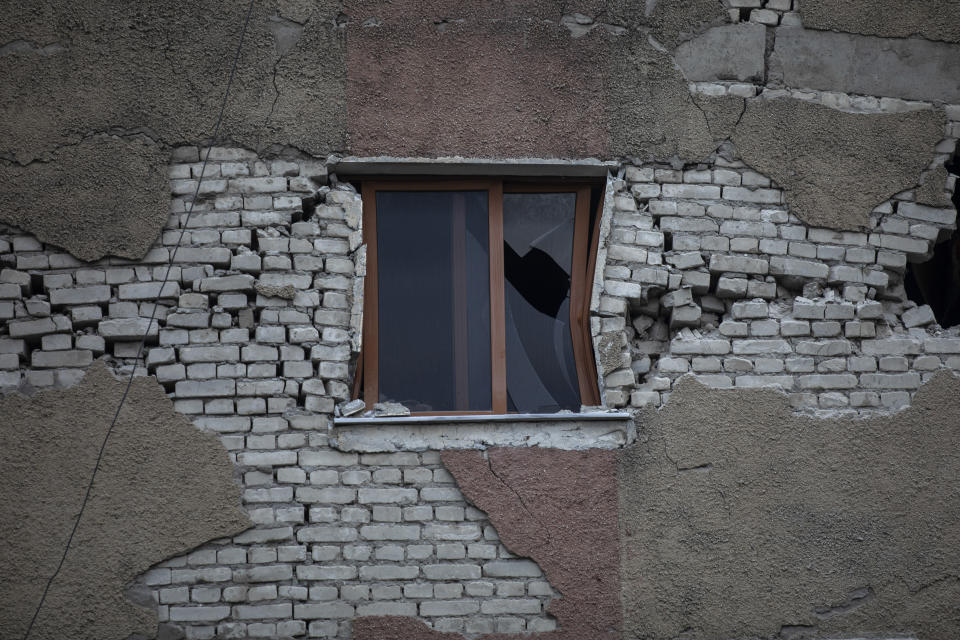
(558, 508)
(773, 184)
(104, 195)
(373, 78)
(913, 69)
(471, 85)
(650, 110)
(700, 272)
(159, 69)
(163, 488)
(931, 19)
(741, 519)
(522, 79)
(835, 167)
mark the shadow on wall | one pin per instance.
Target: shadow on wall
(740, 518)
(164, 487)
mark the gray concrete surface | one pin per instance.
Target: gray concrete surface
(913, 69)
(742, 519)
(731, 52)
(833, 166)
(931, 19)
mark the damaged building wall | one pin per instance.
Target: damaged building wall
(163, 488)
(95, 83)
(258, 332)
(756, 234)
(607, 79)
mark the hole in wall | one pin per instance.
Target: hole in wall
(936, 282)
(309, 206)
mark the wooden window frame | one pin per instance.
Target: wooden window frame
(581, 284)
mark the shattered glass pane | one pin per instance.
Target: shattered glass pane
(538, 253)
(434, 300)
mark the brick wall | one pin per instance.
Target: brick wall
(706, 271)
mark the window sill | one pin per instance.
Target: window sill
(417, 433)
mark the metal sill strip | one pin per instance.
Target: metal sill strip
(486, 418)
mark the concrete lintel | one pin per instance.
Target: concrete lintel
(608, 431)
(458, 166)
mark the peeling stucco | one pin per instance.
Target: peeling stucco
(931, 19)
(675, 21)
(163, 488)
(651, 111)
(158, 69)
(104, 195)
(559, 509)
(834, 166)
(741, 518)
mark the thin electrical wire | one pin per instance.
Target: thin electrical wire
(153, 315)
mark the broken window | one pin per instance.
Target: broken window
(477, 296)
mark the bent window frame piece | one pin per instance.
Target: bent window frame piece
(582, 256)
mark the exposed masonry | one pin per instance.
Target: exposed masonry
(257, 335)
(701, 270)
(707, 272)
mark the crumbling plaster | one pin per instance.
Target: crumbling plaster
(559, 509)
(741, 519)
(833, 166)
(104, 195)
(164, 487)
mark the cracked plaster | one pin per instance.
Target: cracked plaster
(652, 112)
(159, 69)
(163, 488)
(676, 21)
(102, 195)
(741, 518)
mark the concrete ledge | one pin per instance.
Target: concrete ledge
(564, 431)
(457, 166)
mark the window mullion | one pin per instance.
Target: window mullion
(498, 349)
